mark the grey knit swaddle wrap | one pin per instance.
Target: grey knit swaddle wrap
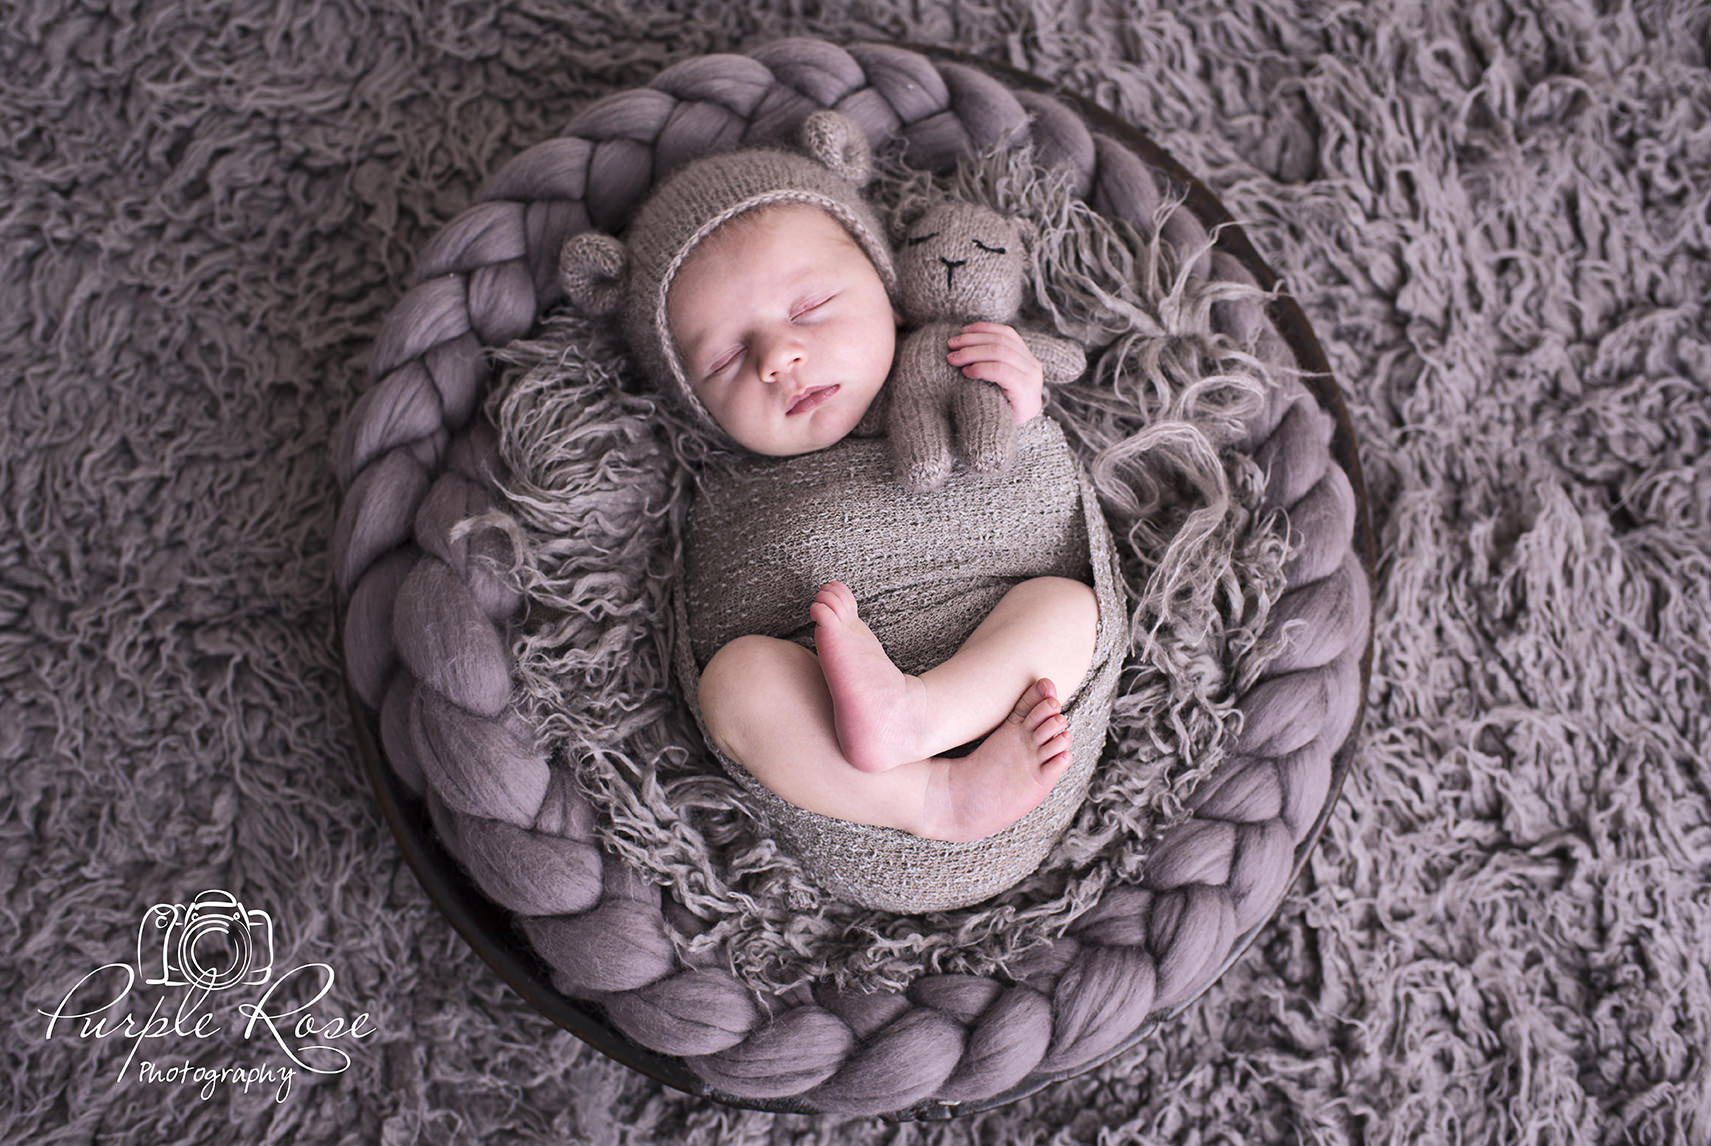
(925, 569)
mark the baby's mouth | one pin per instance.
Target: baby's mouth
(810, 398)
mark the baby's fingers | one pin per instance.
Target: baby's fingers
(993, 352)
(972, 349)
(1003, 374)
(984, 357)
(987, 334)
(1020, 385)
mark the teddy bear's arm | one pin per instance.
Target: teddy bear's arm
(1060, 359)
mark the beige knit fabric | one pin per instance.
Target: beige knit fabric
(764, 535)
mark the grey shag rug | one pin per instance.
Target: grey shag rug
(1498, 220)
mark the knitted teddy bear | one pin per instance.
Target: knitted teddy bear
(959, 263)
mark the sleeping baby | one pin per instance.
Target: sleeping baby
(867, 655)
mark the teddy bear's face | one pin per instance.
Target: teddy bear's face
(958, 262)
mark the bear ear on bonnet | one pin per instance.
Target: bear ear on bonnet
(593, 268)
(837, 142)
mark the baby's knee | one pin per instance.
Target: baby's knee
(1068, 610)
(739, 682)
(1073, 603)
(723, 680)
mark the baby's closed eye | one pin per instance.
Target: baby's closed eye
(810, 307)
(723, 362)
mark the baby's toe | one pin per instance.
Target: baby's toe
(1054, 767)
(834, 602)
(1052, 726)
(1041, 711)
(1057, 744)
(1041, 692)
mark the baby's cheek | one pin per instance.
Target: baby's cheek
(723, 409)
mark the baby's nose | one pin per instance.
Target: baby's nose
(782, 357)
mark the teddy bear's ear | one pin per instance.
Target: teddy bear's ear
(1029, 231)
(837, 141)
(905, 215)
(592, 268)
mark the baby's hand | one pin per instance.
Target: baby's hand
(995, 353)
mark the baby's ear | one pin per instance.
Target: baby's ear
(837, 142)
(592, 268)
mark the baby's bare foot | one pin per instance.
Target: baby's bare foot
(1007, 776)
(877, 710)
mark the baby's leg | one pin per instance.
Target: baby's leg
(791, 717)
(1045, 627)
(766, 705)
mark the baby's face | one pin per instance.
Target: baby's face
(785, 329)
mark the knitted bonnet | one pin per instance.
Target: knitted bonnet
(602, 275)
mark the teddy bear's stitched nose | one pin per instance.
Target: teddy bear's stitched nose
(950, 268)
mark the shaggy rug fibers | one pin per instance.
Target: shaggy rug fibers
(1497, 218)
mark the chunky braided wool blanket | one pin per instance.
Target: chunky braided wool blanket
(583, 454)
(1493, 213)
(429, 615)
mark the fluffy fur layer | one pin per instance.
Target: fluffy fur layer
(1495, 216)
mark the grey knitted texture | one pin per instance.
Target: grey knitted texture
(427, 622)
(765, 535)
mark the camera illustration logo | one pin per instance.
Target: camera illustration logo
(212, 942)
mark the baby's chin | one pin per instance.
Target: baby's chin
(809, 432)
